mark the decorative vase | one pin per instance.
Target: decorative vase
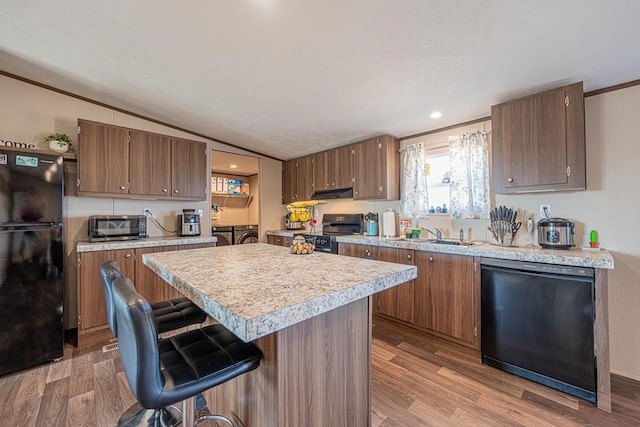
(59, 146)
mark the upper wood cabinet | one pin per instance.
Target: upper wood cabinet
(189, 171)
(149, 164)
(447, 296)
(120, 162)
(538, 142)
(304, 175)
(297, 179)
(289, 181)
(376, 166)
(333, 169)
(103, 158)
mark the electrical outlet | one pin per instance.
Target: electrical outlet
(200, 212)
(545, 210)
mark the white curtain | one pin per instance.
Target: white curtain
(469, 187)
(414, 200)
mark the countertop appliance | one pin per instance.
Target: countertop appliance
(188, 223)
(224, 235)
(371, 221)
(538, 323)
(289, 224)
(31, 265)
(334, 225)
(555, 233)
(243, 234)
(105, 228)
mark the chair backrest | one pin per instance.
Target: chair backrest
(138, 343)
(110, 271)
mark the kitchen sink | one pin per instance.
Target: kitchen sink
(451, 242)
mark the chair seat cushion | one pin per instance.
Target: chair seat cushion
(197, 360)
(176, 313)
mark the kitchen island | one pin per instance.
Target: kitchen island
(309, 314)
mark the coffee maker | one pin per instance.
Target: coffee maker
(188, 223)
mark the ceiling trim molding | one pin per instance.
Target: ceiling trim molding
(429, 132)
(613, 88)
(121, 110)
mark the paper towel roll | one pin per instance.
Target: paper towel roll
(389, 224)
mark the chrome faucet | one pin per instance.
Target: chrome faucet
(438, 233)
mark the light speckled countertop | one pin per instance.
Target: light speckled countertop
(255, 290)
(142, 243)
(575, 256)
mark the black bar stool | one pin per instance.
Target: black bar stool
(168, 316)
(162, 372)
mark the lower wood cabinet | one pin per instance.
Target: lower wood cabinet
(397, 302)
(443, 300)
(279, 240)
(447, 296)
(92, 311)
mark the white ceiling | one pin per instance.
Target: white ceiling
(291, 77)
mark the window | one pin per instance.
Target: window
(438, 179)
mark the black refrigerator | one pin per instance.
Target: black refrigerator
(31, 259)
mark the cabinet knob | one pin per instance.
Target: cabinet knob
(327, 184)
(509, 179)
(127, 256)
(430, 259)
(175, 191)
(164, 190)
(122, 187)
(333, 184)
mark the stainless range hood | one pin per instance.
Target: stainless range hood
(342, 193)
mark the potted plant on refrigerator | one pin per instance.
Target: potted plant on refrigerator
(58, 142)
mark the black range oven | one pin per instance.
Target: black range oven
(334, 225)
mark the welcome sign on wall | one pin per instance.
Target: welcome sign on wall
(16, 144)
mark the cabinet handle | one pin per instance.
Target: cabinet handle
(333, 184)
(509, 179)
(175, 191)
(164, 190)
(127, 256)
(327, 184)
(122, 187)
(408, 259)
(430, 259)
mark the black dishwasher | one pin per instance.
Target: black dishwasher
(538, 323)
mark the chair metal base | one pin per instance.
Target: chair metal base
(171, 416)
(137, 416)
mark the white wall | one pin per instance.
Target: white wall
(28, 112)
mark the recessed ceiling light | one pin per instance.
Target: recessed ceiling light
(436, 115)
(233, 166)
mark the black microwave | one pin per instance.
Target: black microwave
(104, 228)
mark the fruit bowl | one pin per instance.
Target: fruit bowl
(302, 245)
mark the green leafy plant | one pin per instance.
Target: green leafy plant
(62, 138)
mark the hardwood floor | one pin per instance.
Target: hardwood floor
(416, 381)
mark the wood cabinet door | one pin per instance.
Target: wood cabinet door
(322, 171)
(289, 181)
(445, 295)
(149, 164)
(92, 310)
(189, 171)
(342, 167)
(366, 166)
(398, 301)
(534, 141)
(305, 178)
(103, 158)
(148, 283)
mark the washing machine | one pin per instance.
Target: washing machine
(224, 235)
(243, 234)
